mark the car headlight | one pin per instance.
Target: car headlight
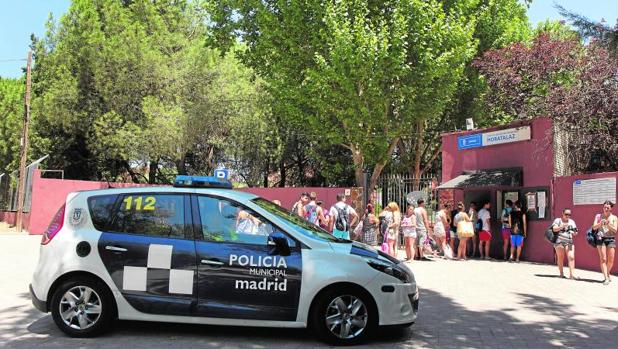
(389, 268)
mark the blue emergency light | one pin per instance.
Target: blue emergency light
(201, 182)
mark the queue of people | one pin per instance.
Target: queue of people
(460, 233)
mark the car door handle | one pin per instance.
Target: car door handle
(115, 248)
(211, 262)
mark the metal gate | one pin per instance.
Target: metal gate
(395, 187)
(9, 186)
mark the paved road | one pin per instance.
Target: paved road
(473, 304)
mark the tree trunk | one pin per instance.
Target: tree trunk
(420, 130)
(377, 170)
(152, 172)
(282, 172)
(181, 166)
(359, 164)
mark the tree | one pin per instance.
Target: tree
(11, 116)
(601, 32)
(357, 74)
(576, 85)
(132, 90)
(498, 24)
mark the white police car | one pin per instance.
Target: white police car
(202, 253)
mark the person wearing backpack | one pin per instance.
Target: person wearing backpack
(313, 211)
(506, 228)
(606, 225)
(343, 216)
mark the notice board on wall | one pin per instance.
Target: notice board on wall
(594, 191)
(535, 203)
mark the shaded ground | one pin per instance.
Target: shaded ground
(474, 304)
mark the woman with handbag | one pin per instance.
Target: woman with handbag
(606, 225)
(518, 224)
(565, 229)
(465, 230)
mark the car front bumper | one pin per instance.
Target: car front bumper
(39, 304)
(397, 303)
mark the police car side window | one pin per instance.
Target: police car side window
(101, 209)
(227, 221)
(150, 214)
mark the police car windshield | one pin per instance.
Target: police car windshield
(307, 228)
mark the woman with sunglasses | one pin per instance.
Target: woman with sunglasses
(606, 225)
(566, 229)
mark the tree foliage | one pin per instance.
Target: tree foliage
(557, 77)
(131, 88)
(11, 116)
(357, 74)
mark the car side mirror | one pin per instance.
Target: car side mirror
(278, 243)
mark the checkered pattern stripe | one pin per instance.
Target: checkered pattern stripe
(159, 257)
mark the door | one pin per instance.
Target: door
(241, 275)
(148, 249)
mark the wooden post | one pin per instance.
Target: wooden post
(24, 150)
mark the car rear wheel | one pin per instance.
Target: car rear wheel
(344, 317)
(82, 308)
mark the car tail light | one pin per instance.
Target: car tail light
(54, 227)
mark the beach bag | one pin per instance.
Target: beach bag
(550, 236)
(465, 229)
(384, 247)
(591, 236)
(448, 253)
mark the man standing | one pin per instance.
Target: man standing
(422, 223)
(343, 216)
(485, 234)
(299, 206)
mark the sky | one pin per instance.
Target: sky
(20, 18)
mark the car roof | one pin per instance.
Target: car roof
(228, 193)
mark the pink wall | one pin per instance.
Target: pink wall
(536, 158)
(288, 196)
(49, 194)
(535, 155)
(585, 256)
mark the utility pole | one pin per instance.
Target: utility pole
(24, 149)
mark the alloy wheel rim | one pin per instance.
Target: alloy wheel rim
(80, 307)
(346, 317)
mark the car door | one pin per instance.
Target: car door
(240, 274)
(148, 249)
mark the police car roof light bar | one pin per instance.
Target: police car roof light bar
(201, 182)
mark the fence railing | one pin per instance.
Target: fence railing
(396, 187)
(9, 184)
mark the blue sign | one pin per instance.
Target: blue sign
(222, 174)
(469, 142)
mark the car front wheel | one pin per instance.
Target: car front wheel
(344, 317)
(82, 308)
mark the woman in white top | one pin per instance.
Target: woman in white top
(408, 228)
(606, 225)
(439, 228)
(566, 229)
